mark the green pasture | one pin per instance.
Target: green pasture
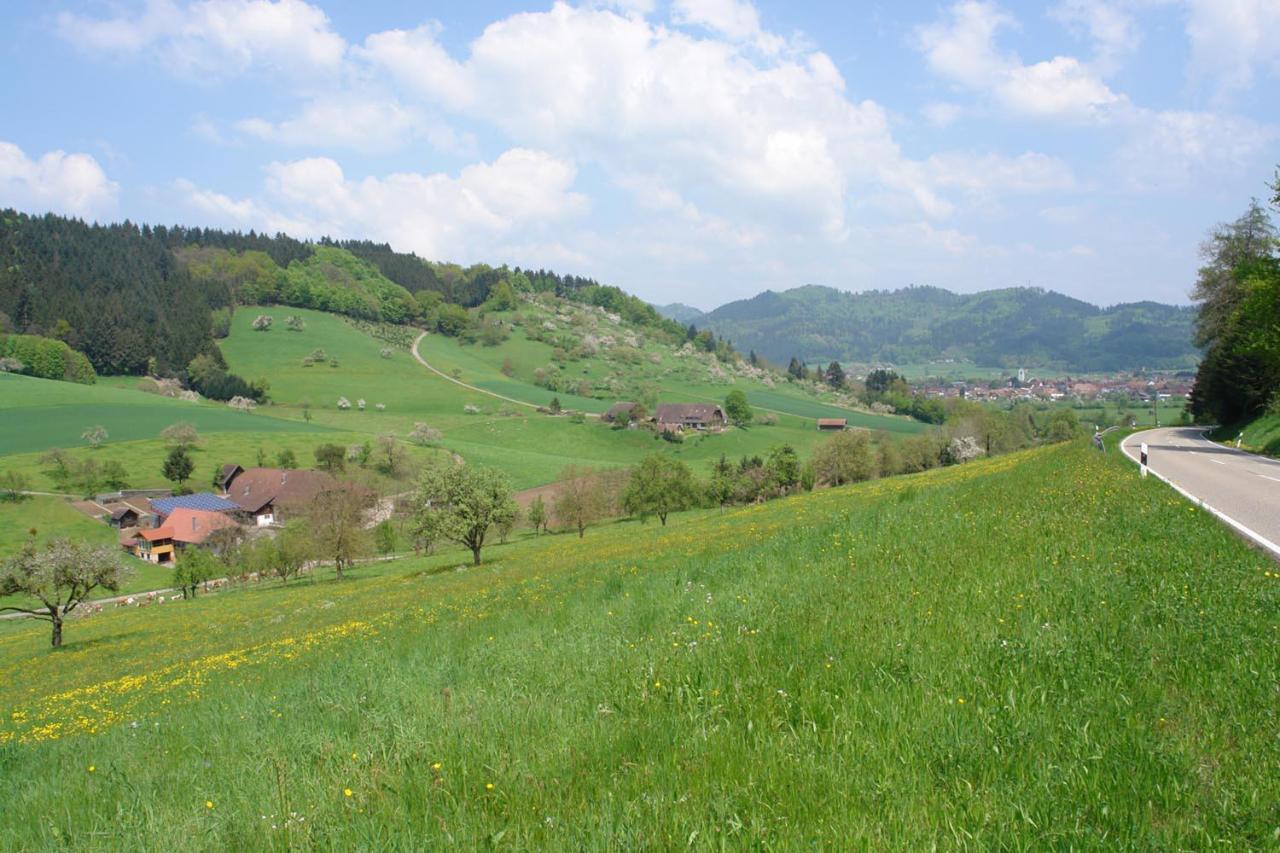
(532, 448)
(37, 414)
(1037, 650)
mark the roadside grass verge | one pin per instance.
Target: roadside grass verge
(1035, 650)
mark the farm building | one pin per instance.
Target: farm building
(833, 424)
(679, 416)
(619, 412)
(155, 545)
(270, 494)
(193, 526)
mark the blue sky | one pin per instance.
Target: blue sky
(692, 150)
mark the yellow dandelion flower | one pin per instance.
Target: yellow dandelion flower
(346, 792)
(354, 756)
(960, 701)
(435, 766)
(488, 786)
(208, 804)
(92, 768)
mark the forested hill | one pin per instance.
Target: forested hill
(1012, 327)
(137, 298)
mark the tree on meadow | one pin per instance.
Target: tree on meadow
(579, 500)
(330, 457)
(783, 467)
(336, 523)
(660, 485)
(287, 459)
(60, 576)
(736, 408)
(537, 515)
(846, 457)
(178, 467)
(181, 434)
(835, 375)
(95, 435)
(193, 568)
(461, 503)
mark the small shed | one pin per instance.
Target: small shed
(832, 424)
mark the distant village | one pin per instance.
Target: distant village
(1122, 388)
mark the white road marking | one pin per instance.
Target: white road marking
(1265, 477)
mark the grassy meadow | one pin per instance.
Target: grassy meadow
(530, 447)
(37, 414)
(1036, 650)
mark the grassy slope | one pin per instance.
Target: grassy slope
(36, 414)
(1259, 436)
(1039, 649)
(532, 448)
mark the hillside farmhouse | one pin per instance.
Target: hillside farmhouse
(268, 495)
(680, 416)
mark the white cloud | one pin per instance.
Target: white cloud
(1108, 24)
(736, 20)
(1171, 149)
(941, 113)
(214, 37)
(962, 48)
(991, 173)
(1058, 88)
(759, 134)
(1230, 39)
(436, 215)
(59, 182)
(369, 123)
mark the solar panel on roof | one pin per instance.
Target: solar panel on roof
(204, 500)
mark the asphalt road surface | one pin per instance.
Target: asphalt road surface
(1239, 485)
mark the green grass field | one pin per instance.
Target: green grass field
(37, 414)
(532, 448)
(1037, 650)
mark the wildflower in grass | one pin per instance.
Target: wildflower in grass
(346, 792)
(435, 766)
(488, 786)
(91, 768)
(208, 804)
(960, 701)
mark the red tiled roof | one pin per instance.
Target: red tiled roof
(193, 526)
(833, 421)
(156, 533)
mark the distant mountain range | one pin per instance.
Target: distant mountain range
(681, 313)
(1013, 327)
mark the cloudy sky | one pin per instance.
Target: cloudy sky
(691, 150)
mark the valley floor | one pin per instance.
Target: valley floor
(1033, 650)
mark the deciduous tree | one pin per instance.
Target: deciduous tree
(461, 503)
(60, 576)
(660, 485)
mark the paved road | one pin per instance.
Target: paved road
(1239, 485)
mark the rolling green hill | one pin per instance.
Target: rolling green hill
(531, 447)
(1006, 328)
(1039, 647)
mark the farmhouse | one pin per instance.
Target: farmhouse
(619, 412)
(155, 545)
(679, 416)
(193, 526)
(270, 494)
(835, 424)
